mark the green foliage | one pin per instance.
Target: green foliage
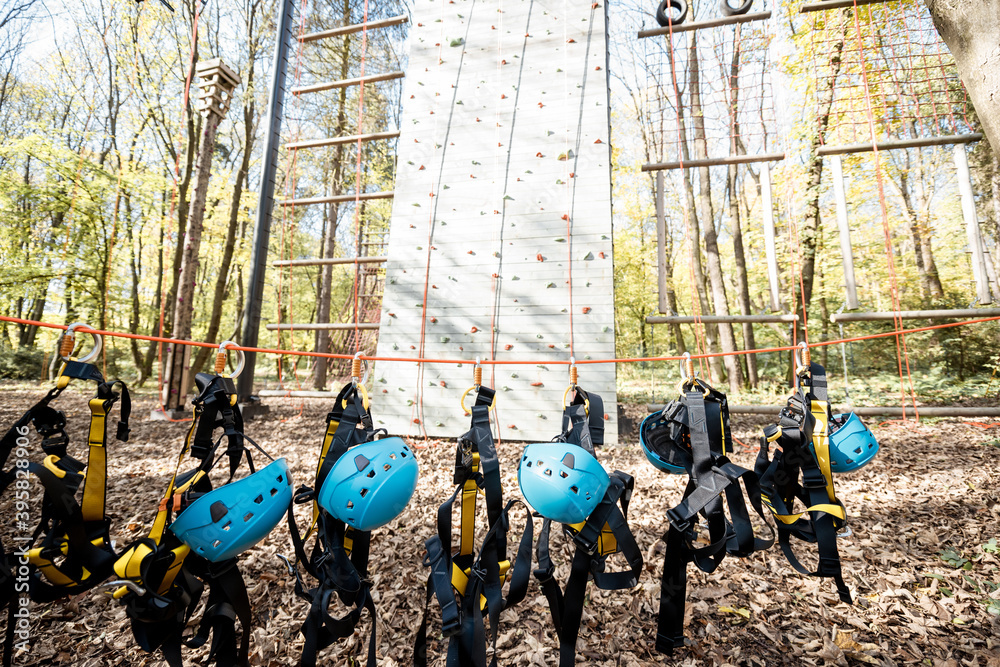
(20, 364)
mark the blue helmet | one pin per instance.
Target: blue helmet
(227, 521)
(561, 482)
(371, 484)
(852, 445)
(661, 449)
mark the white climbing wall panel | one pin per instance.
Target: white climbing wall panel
(501, 218)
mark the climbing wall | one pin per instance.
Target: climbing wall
(502, 217)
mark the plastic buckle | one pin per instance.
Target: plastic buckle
(813, 479)
(544, 575)
(589, 546)
(679, 523)
(829, 566)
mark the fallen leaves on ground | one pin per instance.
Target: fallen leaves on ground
(922, 561)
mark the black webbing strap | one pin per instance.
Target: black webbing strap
(475, 579)
(712, 477)
(339, 557)
(781, 486)
(566, 605)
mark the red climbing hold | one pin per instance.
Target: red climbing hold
(434, 320)
(565, 216)
(539, 257)
(471, 252)
(572, 174)
(601, 254)
(392, 314)
(541, 106)
(512, 427)
(507, 346)
(594, 6)
(597, 69)
(472, 176)
(502, 96)
(606, 416)
(434, 286)
(598, 141)
(571, 41)
(552, 347)
(385, 391)
(421, 168)
(445, 385)
(413, 347)
(586, 309)
(416, 421)
(537, 384)
(539, 154)
(474, 329)
(503, 62)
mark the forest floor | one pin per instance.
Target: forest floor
(923, 561)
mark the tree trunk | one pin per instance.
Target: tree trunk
(693, 234)
(186, 281)
(735, 228)
(706, 215)
(970, 30)
(809, 232)
(322, 340)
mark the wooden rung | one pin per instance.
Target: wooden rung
(711, 23)
(335, 326)
(349, 29)
(893, 144)
(723, 319)
(364, 196)
(329, 261)
(949, 313)
(715, 162)
(336, 141)
(344, 83)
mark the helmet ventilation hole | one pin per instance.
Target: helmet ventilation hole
(403, 453)
(528, 464)
(386, 467)
(858, 450)
(247, 516)
(850, 461)
(228, 525)
(392, 456)
(563, 474)
(350, 504)
(274, 492)
(216, 543)
(364, 492)
(281, 478)
(574, 489)
(259, 499)
(371, 473)
(548, 472)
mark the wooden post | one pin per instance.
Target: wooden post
(846, 249)
(769, 249)
(661, 245)
(216, 83)
(972, 225)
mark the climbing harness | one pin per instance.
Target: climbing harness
(801, 470)
(75, 552)
(361, 484)
(477, 579)
(555, 479)
(692, 435)
(198, 533)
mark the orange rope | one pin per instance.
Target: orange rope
(879, 178)
(485, 362)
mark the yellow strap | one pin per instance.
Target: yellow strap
(835, 510)
(349, 540)
(607, 543)
(95, 482)
(470, 492)
(821, 443)
(331, 429)
(460, 579)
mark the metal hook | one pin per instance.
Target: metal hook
(68, 333)
(220, 359)
(356, 377)
(127, 583)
